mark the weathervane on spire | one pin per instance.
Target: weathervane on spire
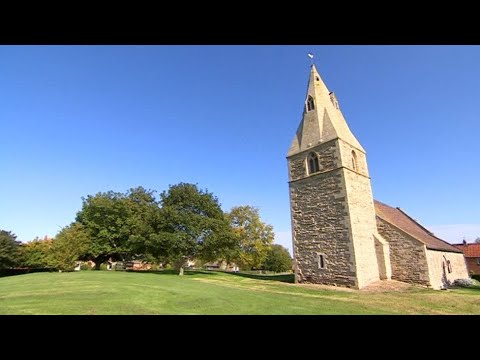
(310, 55)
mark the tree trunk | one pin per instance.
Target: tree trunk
(179, 267)
(97, 265)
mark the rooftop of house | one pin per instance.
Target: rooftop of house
(469, 250)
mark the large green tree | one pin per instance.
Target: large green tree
(253, 236)
(9, 254)
(278, 259)
(193, 225)
(37, 253)
(70, 244)
(143, 221)
(118, 224)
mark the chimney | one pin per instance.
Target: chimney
(464, 242)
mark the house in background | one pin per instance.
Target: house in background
(221, 265)
(472, 256)
(129, 265)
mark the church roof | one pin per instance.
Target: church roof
(401, 220)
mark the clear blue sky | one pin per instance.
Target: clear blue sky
(76, 120)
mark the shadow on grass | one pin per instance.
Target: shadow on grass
(471, 289)
(288, 278)
(173, 272)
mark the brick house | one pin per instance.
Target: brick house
(472, 256)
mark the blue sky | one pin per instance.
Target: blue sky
(77, 120)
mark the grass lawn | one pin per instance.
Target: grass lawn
(111, 292)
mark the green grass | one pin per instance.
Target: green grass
(105, 292)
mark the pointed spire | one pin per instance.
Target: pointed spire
(316, 79)
(322, 118)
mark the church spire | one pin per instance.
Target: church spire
(322, 118)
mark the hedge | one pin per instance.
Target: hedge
(21, 271)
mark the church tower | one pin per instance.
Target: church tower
(333, 216)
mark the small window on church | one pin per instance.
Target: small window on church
(313, 165)
(354, 161)
(318, 79)
(310, 104)
(321, 261)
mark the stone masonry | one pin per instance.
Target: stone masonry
(407, 255)
(338, 236)
(320, 221)
(445, 267)
(333, 216)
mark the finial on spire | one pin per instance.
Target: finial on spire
(310, 55)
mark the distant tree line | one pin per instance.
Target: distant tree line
(186, 223)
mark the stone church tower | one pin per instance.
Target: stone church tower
(335, 239)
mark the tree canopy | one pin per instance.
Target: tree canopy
(36, 253)
(185, 223)
(112, 219)
(70, 245)
(253, 236)
(278, 259)
(9, 254)
(193, 225)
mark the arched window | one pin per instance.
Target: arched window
(354, 161)
(310, 104)
(313, 165)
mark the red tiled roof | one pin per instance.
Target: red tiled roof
(469, 250)
(401, 220)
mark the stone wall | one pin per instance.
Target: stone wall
(383, 257)
(328, 157)
(346, 158)
(320, 220)
(362, 216)
(407, 255)
(333, 214)
(440, 277)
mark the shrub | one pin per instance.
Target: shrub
(11, 272)
(154, 267)
(466, 283)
